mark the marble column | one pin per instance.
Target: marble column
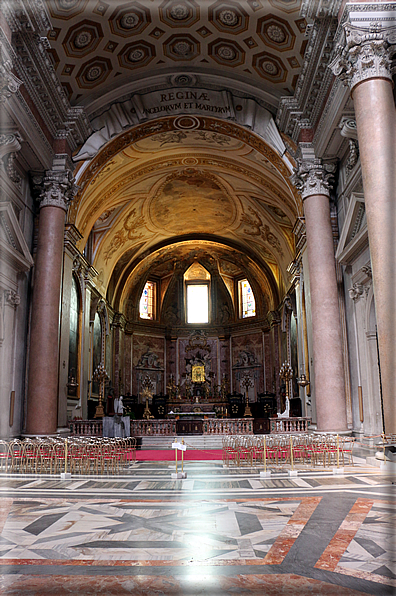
(57, 189)
(313, 181)
(364, 62)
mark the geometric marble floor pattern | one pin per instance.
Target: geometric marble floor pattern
(316, 535)
(373, 549)
(123, 532)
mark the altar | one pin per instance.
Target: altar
(189, 426)
(204, 408)
(190, 421)
(190, 415)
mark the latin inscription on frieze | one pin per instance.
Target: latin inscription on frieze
(182, 101)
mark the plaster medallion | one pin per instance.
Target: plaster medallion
(226, 53)
(180, 12)
(276, 34)
(270, 68)
(83, 39)
(186, 123)
(136, 55)
(129, 20)
(228, 17)
(93, 73)
(183, 79)
(182, 48)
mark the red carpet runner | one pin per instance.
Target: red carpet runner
(169, 455)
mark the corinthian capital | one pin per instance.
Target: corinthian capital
(56, 188)
(364, 53)
(312, 177)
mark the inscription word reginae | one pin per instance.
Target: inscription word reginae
(198, 96)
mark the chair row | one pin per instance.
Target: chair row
(278, 450)
(78, 455)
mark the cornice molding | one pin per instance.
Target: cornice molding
(29, 22)
(317, 9)
(303, 109)
(27, 15)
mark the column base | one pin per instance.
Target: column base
(63, 431)
(341, 433)
(39, 435)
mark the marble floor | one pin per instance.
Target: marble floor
(218, 532)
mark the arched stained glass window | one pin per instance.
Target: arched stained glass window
(246, 299)
(147, 301)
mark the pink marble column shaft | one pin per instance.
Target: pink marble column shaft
(44, 334)
(375, 120)
(326, 327)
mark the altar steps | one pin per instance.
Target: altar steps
(191, 441)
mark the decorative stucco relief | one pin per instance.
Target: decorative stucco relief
(128, 232)
(256, 227)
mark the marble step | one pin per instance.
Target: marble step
(192, 441)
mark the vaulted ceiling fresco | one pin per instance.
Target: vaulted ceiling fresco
(183, 185)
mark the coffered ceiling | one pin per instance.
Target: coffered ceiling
(98, 47)
(189, 183)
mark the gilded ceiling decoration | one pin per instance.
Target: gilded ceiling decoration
(190, 182)
(166, 125)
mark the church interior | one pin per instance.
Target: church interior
(197, 240)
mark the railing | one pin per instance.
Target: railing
(228, 426)
(211, 426)
(86, 428)
(150, 428)
(289, 425)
